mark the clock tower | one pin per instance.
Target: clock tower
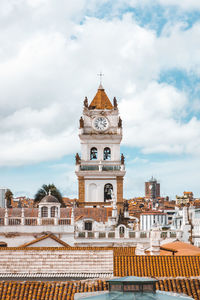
(100, 168)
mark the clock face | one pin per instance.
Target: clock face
(100, 123)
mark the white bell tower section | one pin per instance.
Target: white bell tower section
(100, 168)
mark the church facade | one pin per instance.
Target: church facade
(100, 169)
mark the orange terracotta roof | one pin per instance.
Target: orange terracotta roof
(101, 100)
(24, 290)
(50, 235)
(153, 213)
(156, 266)
(180, 248)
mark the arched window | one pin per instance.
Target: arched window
(44, 212)
(88, 225)
(107, 153)
(93, 153)
(108, 188)
(121, 231)
(53, 211)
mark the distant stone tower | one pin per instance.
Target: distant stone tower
(100, 169)
(152, 189)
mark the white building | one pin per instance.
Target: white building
(2, 197)
(149, 219)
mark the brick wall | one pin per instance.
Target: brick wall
(81, 188)
(120, 190)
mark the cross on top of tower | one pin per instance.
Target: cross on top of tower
(100, 78)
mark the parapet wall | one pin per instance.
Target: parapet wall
(57, 263)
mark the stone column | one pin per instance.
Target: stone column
(117, 233)
(49, 212)
(137, 234)
(96, 234)
(56, 217)
(126, 233)
(39, 217)
(22, 217)
(6, 217)
(72, 217)
(100, 166)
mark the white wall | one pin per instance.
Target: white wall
(100, 183)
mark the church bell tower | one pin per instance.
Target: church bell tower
(100, 168)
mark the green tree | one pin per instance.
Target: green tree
(44, 190)
(8, 198)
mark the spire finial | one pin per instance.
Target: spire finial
(49, 192)
(100, 79)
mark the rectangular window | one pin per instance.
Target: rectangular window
(148, 288)
(115, 287)
(131, 288)
(88, 226)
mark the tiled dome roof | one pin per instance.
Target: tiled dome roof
(49, 199)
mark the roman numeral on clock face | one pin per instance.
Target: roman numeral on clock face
(101, 123)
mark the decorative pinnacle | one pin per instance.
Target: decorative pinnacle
(49, 192)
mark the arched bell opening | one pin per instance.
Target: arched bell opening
(108, 188)
(107, 153)
(93, 153)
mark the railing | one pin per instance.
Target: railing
(102, 235)
(111, 234)
(33, 221)
(64, 221)
(111, 168)
(30, 221)
(47, 221)
(89, 168)
(128, 234)
(164, 235)
(14, 221)
(100, 167)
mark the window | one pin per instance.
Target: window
(116, 287)
(107, 153)
(121, 231)
(131, 288)
(108, 191)
(44, 212)
(93, 153)
(53, 211)
(148, 287)
(88, 225)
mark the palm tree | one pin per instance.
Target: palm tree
(44, 190)
(8, 198)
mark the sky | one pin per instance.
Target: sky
(50, 54)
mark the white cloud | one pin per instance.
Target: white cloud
(154, 121)
(181, 4)
(184, 4)
(48, 66)
(175, 177)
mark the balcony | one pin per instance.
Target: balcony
(100, 168)
(89, 168)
